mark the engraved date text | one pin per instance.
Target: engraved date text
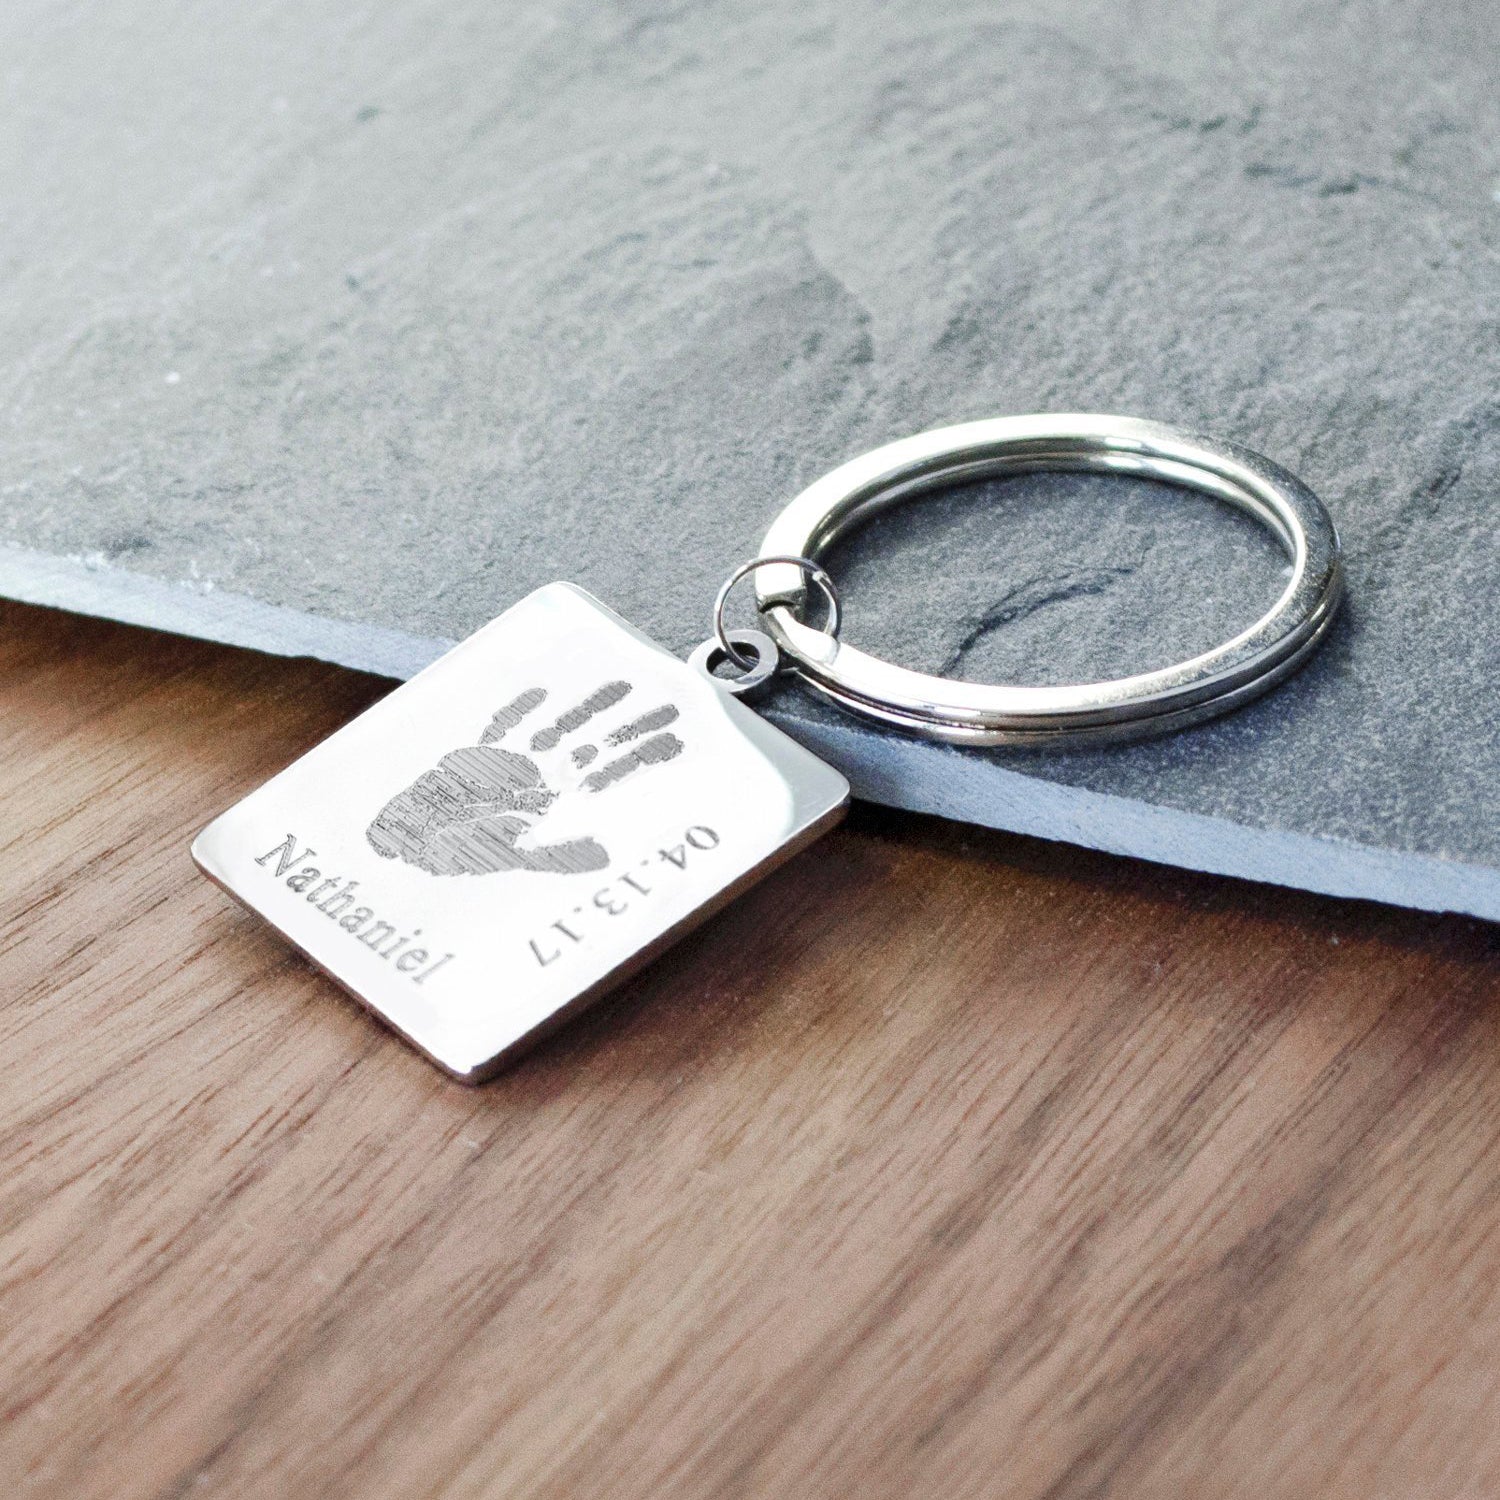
(622, 893)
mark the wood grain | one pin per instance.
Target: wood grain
(944, 1164)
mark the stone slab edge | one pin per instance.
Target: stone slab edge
(887, 769)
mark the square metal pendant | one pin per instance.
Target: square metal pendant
(519, 827)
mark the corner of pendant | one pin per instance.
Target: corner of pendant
(562, 588)
(474, 1073)
(200, 851)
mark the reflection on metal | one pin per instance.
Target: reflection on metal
(448, 858)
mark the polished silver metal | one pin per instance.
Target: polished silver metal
(765, 658)
(1151, 702)
(519, 827)
(812, 569)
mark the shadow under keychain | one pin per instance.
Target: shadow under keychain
(556, 800)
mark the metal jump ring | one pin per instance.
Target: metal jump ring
(807, 566)
(1125, 707)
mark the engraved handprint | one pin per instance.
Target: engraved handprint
(478, 809)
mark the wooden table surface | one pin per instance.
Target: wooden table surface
(943, 1164)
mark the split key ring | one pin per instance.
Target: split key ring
(1153, 702)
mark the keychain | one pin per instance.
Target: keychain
(556, 800)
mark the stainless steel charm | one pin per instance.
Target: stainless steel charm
(976, 714)
(557, 799)
(519, 827)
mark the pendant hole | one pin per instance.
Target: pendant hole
(720, 666)
(714, 662)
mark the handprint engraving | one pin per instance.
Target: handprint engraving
(477, 811)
